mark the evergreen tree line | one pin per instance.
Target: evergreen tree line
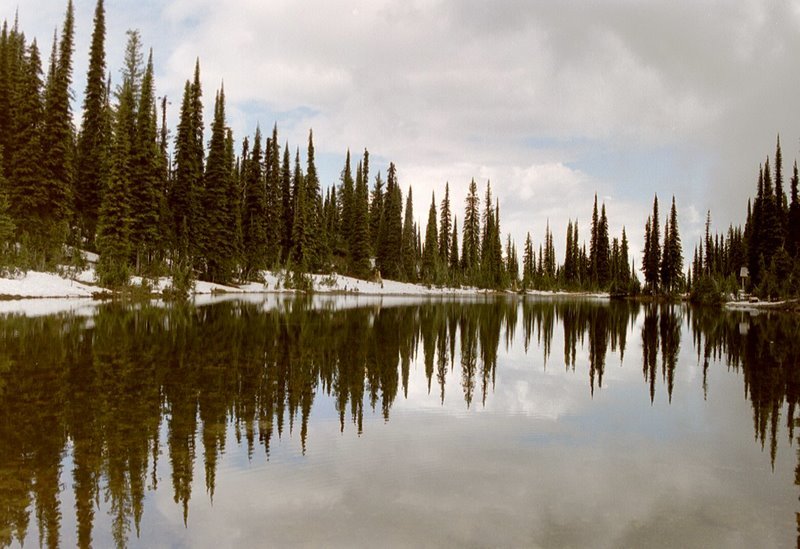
(768, 245)
(152, 205)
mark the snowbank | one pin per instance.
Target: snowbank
(36, 284)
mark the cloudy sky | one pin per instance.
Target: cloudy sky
(551, 101)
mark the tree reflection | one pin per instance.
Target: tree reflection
(105, 390)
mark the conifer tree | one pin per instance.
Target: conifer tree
(602, 250)
(58, 140)
(218, 244)
(254, 212)
(114, 220)
(651, 262)
(27, 195)
(408, 243)
(793, 231)
(146, 187)
(672, 258)
(359, 244)
(184, 200)
(274, 198)
(455, 262)
(347, 194)
(471, 243)
(445, 228)
(528, 267)
(389, 259)
(92, 151)
(431, 250)
(317, 244)
(593, 242)
(300, 232)
(6, 222)
(624, 258)
(376, 213)
(780, 196)
(288, 204)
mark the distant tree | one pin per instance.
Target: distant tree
(651, 261)
(274, 198)
(58, 140)
(254, 212)
(376, 213)
(408, 244)
(287, 209)
(359, 244)
(455, 261)
(92, 150)
(672, 258)
(218, 243)
(793, 231)
(602, 258)
(445, 229)
(471, 241)
(389, 257)
(430, 255)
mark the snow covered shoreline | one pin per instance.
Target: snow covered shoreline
(37, 293)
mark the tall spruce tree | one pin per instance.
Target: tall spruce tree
(445, 228)
(300, 230)
(408, 244)
(218, 246)
(6, 222)
(58, 140)
(389, 257)
(793, 230)
(651, 262)
(455, 262)
(359, 243)
(272, 179)
(28, 197)
(146, 189)
(92, 151)
(672, 257)
(376, 213)
(114, 220)
(430, 255)
(254, 212)
(471, 241)
(288, 204)
(602, 251)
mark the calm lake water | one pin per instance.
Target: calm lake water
(273, 421)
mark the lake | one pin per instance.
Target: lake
(274, 421)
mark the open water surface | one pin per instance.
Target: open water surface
(274, 421)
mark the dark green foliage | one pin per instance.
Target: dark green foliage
(672, 257)
(92, 151)
(359, 243)
(390, 255)
(254, 212)
(455, 262)
(274, 185)
(445, 228)
(793, 223)
(58, 142)
(287, 210)
(184, 198)
(376, 213)
(6, 224)
(147, 185)
(471, 241)
(114, 221)
(408, 242)
(602, 259)
(430, 254)
(218, 233)
(651, 260)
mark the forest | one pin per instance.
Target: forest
(153, 201)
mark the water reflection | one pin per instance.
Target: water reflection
(106, 399)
